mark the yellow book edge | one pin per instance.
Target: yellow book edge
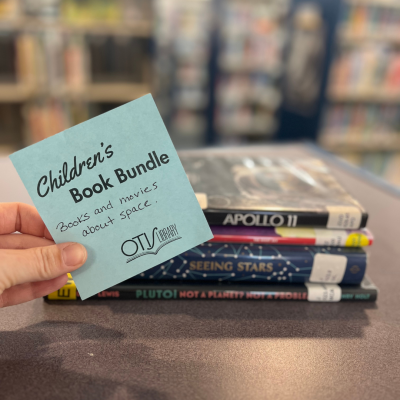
(67, 292)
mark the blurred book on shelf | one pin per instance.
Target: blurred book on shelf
(8, 57)
(10, 127)
(91, 11)
(9, 9)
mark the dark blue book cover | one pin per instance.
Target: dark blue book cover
(263, 263)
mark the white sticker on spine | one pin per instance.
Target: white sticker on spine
(328, 268)
(324, 237)
(343, 217)
(202, 199)
(326, 292)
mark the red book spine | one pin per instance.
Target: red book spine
(262, 240)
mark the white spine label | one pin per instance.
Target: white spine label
(202, 199)
(324, 237)
(328, 268)
(343, 217)
(326, 292)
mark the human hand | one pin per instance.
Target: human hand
(31, 264)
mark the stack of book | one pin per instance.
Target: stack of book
(284, 229)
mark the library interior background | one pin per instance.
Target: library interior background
(222, 72)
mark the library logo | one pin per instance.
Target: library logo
(144, 244)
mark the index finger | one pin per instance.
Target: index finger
(24, 218)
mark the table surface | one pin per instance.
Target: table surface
(213, 350)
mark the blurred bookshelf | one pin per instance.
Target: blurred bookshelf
(215, 67)
(253, 37)
(362, 117)
(219, 66)
(183, 78)
(63, 60)
(221, 71)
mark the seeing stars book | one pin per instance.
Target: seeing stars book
(263, 263)
(261, 191)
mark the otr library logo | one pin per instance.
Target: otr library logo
(144, 244)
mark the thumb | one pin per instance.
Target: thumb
(39, 264)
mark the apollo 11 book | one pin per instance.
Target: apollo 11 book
(270, 191)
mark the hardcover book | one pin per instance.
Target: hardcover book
(292, 236)
(270, 192)
(179, 290)
(263, 263)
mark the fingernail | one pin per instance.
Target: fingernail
(74, 254)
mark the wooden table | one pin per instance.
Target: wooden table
(213, 350)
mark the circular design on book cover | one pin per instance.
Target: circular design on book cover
(218, 201)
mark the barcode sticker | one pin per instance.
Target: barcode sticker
(328, 268)
(324, 237)
(343, 217)
(325, 292)
(202, 199)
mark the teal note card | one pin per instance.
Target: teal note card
(115, 184)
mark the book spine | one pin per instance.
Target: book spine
(358, 294)
(275, 219)
(126, 292)
(267, 264)
(323, 237)
(263, 240)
